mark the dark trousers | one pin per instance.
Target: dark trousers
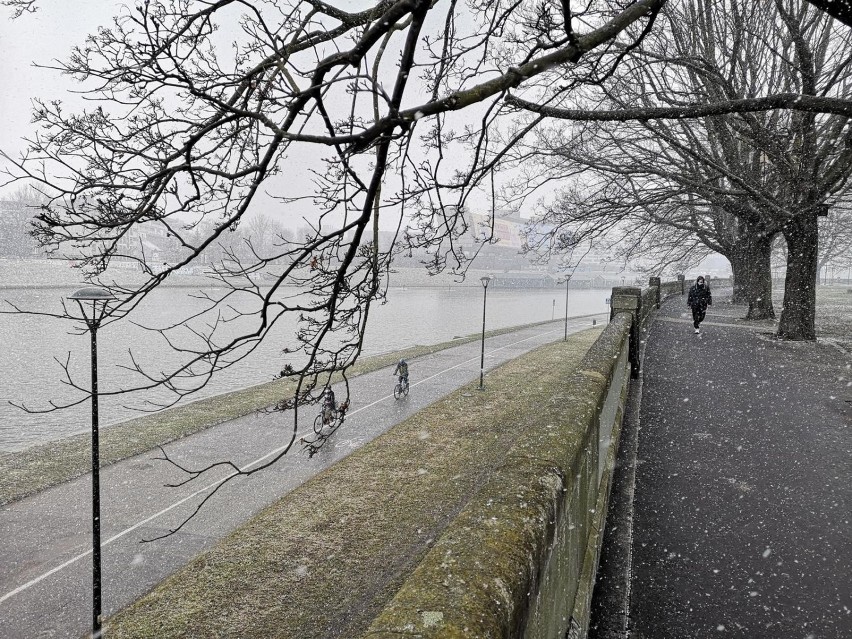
(698, 315)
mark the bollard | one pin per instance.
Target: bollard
(627, 299)
(655, 282)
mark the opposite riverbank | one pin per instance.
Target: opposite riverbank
(26, 274)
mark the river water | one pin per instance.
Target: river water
(30, 374)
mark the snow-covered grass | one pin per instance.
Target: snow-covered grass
(834, 314)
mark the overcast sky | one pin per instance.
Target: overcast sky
(42, 37)
(49, 35)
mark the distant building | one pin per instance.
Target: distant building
(505, 231)
(149, 242)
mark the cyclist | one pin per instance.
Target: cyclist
(402, 370)
(329, 405)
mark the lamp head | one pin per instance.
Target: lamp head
(92, 293)
(485, 280)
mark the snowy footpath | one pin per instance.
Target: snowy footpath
(741, 478)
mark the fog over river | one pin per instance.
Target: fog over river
(29, 373)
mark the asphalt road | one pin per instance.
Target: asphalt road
(741, 482)
(45, 552)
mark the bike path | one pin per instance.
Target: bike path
(45, 555)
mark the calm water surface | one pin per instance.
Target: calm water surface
(30, 374)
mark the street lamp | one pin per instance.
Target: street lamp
(567, 279)
(95, 295)
(485, 280)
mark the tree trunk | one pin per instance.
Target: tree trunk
(739, 270)
(751, 266)
(798, 314)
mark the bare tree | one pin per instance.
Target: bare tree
(767, 172)
(188, 140)
(835, 236)
(605, 216)
(835, 239)
(840, 9)
(20, 7)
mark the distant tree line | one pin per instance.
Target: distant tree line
(15, 224)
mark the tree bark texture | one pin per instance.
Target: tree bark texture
(751, 266)
(798, 314)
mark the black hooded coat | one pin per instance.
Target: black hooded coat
(699, 297)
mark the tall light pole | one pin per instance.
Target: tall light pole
(95, 295)
(567, 279)
(485, 280)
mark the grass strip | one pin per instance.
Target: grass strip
(322, 561)
(40, 467)
(834, 315)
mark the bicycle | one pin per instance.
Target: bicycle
(401, 388)
(334, 417)
(322, 420)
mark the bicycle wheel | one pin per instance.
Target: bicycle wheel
(397, 391)
(405, 389)
(318, 424)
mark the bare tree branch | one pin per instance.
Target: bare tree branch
(789, 101)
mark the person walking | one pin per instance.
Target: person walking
(699, 299)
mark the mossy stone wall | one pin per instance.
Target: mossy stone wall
(520, 558)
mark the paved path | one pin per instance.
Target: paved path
(45, 557)
(743, 488)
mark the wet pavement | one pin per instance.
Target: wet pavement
(731, 509)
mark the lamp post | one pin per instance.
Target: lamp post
(567, 279)
(485, 280)
(95, 295)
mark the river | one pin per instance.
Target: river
(30, 374)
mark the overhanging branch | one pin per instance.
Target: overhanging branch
(791, 101)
